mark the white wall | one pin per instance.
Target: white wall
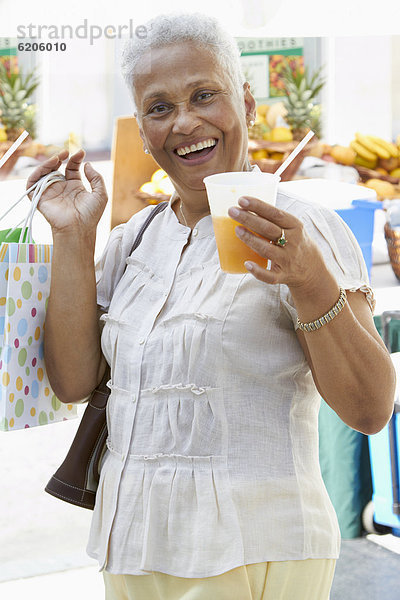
(75, 93)
(396, 86)
(358, 95)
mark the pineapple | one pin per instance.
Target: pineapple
(30, 120)
(302, 113)
(258, 131)
(15, 112)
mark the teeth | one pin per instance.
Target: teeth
(206, 144)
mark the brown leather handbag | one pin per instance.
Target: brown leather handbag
(76, 480)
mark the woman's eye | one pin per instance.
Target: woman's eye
(204, 95)
(158, 109)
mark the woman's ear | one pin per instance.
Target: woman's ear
(249, 101)
(142, 136)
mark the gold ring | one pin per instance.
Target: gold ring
(281, 241)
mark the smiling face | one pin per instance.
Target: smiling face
(190, 118)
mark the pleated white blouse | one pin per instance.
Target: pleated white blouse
(212, 458)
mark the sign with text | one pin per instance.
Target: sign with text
(8, 46)
(264, 60)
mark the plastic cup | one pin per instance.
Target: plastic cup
(224, 191)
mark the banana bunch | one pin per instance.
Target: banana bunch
(370, 149)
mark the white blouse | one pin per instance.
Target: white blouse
(212, 458)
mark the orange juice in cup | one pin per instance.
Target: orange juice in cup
(232, 251)
(224, 191)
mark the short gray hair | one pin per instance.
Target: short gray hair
(204, 30)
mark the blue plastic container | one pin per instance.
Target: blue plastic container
(382, 479)
(385, 447)
(354, 203)
(360, 218)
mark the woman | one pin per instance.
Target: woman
(211, 486)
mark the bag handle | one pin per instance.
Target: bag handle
(40, 187)
(160, 207)
(37, 188)
(157, 209)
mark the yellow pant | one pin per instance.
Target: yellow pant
(288, 580)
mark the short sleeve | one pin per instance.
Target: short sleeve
(110, 267)
(339, 248)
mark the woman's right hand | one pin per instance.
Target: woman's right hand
(67, 205)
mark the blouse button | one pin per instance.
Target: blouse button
(195, 232)
(134, 398)
(141, 341)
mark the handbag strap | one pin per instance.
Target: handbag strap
(102, 387)
(159, 208)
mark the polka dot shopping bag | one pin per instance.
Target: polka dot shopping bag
(26, 397)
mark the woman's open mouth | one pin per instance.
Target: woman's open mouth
(197, 153)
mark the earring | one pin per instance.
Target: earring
(146, 151)
(251, 123)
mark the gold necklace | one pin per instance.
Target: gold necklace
(183, 216)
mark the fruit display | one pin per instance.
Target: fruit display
(301, 93)
(343, 155)
(384, 189)
(285, 123)
(270, 124)
(28, 148)
(157, 190)
(268, 156)
(271, 140)
(278, 63)
(16, 112)
(373, 150)
(376, 160)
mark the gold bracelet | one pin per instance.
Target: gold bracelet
(331, 314)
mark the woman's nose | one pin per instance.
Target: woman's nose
(185, 120)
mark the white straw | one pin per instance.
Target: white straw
(293, 154)
(13, 148)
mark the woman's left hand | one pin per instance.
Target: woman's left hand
(298, 263)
